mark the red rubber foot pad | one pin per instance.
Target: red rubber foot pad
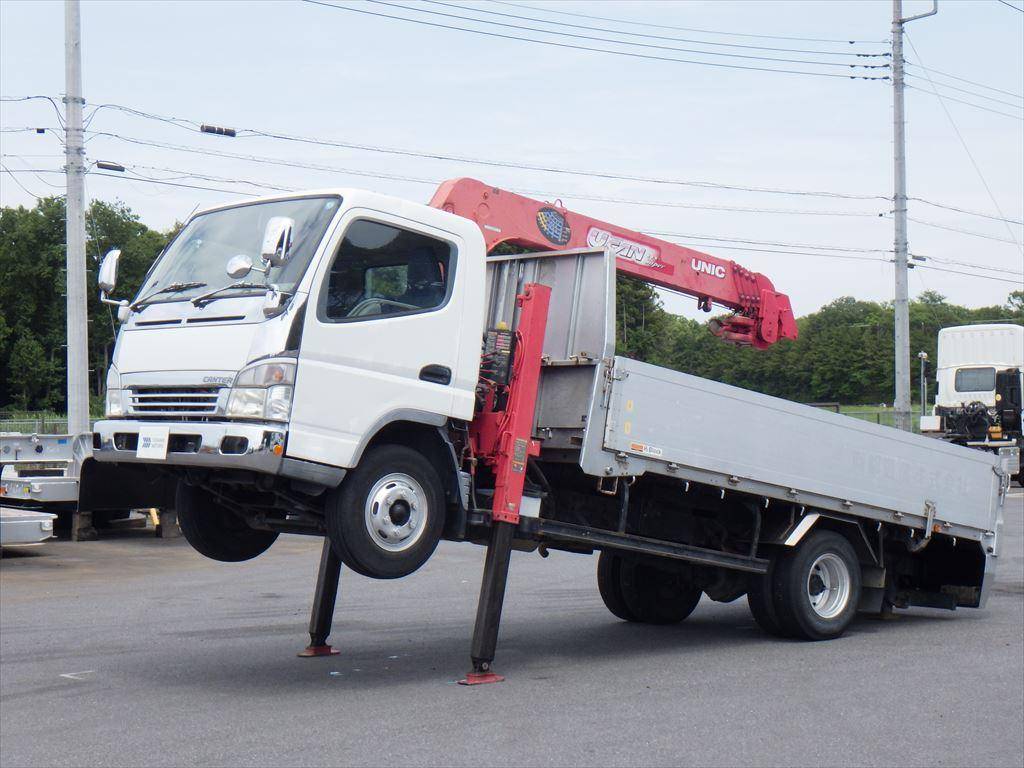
(318, 650)
(481, 678)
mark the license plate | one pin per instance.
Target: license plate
(153, 442)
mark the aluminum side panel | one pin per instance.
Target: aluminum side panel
(656, 417)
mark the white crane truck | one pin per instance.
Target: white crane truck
(345, 394)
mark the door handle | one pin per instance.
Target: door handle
(436, 374)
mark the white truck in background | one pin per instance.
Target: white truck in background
(385, 382)
(980, 377)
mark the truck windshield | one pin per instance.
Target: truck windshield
(975, 380)
(198, 255)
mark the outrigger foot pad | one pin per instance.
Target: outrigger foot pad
(481, 678)
(317, 650)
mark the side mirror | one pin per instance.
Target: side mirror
(277, 241)
(238, 266)
(107, 277)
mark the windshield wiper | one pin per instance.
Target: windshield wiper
(209, 295)
(172, 288)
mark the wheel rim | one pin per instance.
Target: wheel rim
(396, 512)
(828, 585)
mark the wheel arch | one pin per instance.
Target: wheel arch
(429, 439)
(850, 528)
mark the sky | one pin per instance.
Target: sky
(302, 69)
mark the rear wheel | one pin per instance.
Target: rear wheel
(639, 589)
(760, 600)
(386, 519)
(609, 582)
(817, 587)
(214, 530)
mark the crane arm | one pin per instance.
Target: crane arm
(761, 316)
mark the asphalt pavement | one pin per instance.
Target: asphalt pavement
(137, 651)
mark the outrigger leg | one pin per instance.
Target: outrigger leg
(323, 604)
(488, 610)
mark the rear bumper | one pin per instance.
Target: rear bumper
(25, 527)
(213, 445)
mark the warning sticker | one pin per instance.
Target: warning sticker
(519, 455)
(647, 450)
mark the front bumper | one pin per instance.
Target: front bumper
(213, 445)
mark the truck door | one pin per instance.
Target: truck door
(381, 336)
(1008, 399)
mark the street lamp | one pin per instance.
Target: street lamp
(923, 357)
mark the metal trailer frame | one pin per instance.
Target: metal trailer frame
(83, 486)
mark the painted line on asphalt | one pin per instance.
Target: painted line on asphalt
(77, 675)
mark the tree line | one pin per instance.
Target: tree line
(844, 352)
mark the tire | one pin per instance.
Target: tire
(609, 583)
(386, 519)
(214, 530)
(654, 595)
(761, 601)
(824, 561)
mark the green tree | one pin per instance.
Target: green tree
(32, 295)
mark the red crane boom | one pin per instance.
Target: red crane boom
(761, 316)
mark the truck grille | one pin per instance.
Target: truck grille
(179, 402)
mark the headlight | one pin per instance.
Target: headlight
(263, 391)
(247, 403)
(266, 375)
(115, 403)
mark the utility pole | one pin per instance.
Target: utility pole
(74, 150)
(901, 303)
(923, 357)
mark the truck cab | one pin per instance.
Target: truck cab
(274, 341)
(978, 400)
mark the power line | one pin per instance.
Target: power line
(977, 266)
(656, 37)
(970, 156)
(963, 79)
(250, 132)
(15, 180)
(56, 109)
(1011, 5)
(970, 232)
(962, 101)
(812, 246)
(745, 248)
(207, 177)
(652, 46)
(967, 91)
(145, 180)
(38, 177)
(565, 195)
(971, 274)
(965, 210)
(505, 164)
(691, 29)
(628, 54)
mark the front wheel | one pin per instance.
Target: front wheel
(386, 519)
(817, 587)
(214, 530)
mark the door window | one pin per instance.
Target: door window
(381, 270)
